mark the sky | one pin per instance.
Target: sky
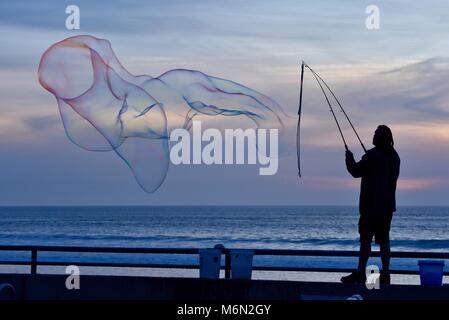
(396, 75)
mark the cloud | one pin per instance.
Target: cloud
(421, 184)
(319, 182)
(417, 91)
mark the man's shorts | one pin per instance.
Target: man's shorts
(377, 226)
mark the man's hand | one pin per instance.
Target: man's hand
(349, 155)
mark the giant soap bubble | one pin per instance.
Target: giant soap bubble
(105, 108)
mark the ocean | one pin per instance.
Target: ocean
(280, 227)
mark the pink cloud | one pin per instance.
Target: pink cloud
(420, 183)
(332, 182)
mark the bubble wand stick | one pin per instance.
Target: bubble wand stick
(298, 131)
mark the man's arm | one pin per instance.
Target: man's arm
(356, 169)
(398, 166)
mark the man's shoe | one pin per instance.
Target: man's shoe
(385, 277)
(355, 277)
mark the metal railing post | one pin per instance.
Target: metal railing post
(227, 264)
(33, 261)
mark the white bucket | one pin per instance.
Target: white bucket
(241, 263)
(210, 260)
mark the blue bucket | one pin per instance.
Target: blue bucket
(431, 272)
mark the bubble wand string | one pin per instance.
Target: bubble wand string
(320, 82)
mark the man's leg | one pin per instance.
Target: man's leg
(366, 236)
(359, 276)
(385, 256)
(383, 238)
(365, 251)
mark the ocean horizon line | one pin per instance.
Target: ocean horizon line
(209, 205)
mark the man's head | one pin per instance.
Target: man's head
(383, 137)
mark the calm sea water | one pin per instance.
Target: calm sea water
(413, 229)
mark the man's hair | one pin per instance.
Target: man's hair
(385, 137)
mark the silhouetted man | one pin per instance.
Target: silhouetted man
(379, 170)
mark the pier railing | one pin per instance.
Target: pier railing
(34, 262)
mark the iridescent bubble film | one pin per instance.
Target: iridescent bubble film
(105, 108)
